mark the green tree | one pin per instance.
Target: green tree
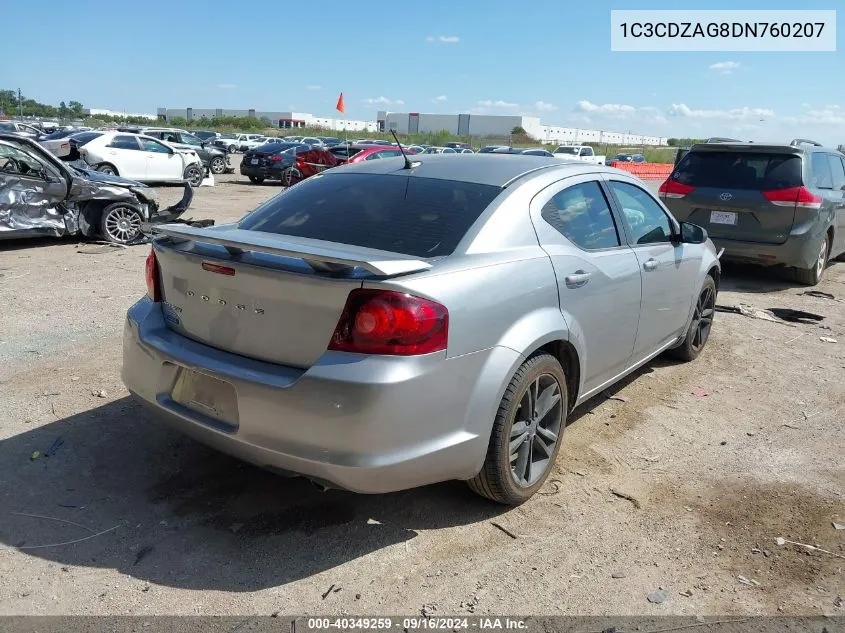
(519, 131)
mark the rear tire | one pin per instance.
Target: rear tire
(232, 149)
(107, 168)
(508, 475)
(701, 324)
(812, 276)
(256, 180)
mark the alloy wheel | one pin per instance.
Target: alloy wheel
(702, 321)
(122, 225)
(535, 430)
(822, 260)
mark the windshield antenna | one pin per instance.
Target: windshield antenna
(408, 163)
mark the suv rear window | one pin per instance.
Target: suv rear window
(739, 170)
(85, 137)
(423, 217)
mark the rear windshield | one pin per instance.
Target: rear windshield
(342, 151)
(85, 137)
(567, 150)
(423, 217)
(739, 170)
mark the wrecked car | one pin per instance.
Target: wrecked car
(43, 196)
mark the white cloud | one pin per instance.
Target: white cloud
(443, 39)
(227, 86)
(383, 101)
(806, 105)
(725, 68)
(439, 99)
(683, 110)
(542, 106)
(608, 109)
(497, 104)
(829, 115)
(313, 87)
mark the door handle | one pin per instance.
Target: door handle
(650, 264)
(577, 279)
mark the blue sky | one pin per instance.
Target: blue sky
(541, 57)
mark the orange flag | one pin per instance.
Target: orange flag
(340, 107)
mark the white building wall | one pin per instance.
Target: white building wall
(490, 125)
(96, 111)
(438, 122)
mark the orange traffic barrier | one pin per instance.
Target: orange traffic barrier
(646, 171)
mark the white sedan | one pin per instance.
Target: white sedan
(141, 158)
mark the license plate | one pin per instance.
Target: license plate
(206, 395)
(722, 217)
(254, 161)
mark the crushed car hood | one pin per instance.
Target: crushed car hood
(98, 176)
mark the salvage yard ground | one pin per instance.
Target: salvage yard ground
(682, 478)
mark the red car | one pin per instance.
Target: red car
(353, 153)
(288, 162)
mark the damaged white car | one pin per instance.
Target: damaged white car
(138, 157)
(43, 196)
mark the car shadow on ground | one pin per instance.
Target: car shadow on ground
(111, 488)
(761, 279)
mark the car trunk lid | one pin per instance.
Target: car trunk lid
(729, 191)
(271, 297)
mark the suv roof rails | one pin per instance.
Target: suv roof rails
(803, 141)
(721, 139)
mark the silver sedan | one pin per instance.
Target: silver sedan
(392, 324)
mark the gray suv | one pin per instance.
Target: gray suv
(765, 204)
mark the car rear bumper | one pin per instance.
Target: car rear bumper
(363, 423)
(801, 249)
(261, 172)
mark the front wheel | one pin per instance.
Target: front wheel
(702, 323)
(526, 432)
(218, 165)
(232, 149)
(812, 276)
(106, 168)
(193, 174)
(120, 223)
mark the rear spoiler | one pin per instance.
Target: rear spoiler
(322, 256)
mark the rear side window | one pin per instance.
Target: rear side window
(581, 214)
(739, 170)
(82, 138)
(124, 142)
(423, 217)
(821, 177)
(837, 171)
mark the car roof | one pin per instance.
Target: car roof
(743, 146)
(482, 169)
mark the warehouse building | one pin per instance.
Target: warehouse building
(284, 120)
(499, 126)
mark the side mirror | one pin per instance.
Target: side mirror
(692, 234)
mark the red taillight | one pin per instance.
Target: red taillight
(217, 268)
(275, 158)
(300, 164)
(674, 189)
(798, 196)
(153, 283)
(390, 323)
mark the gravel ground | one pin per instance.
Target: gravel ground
(683, 484)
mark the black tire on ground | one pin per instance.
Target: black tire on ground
(107, 168)
(812, 276)
(193, 174)
(218, 165)
(232, 149)
(256, 180)
(701, 324)
(120, 223)
(539, 379)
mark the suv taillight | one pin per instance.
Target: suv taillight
(152, 276)
(673, 189)
(390, 323)
(799, 196)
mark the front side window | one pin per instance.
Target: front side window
(649, 223)
(582, 215)
(150, 145)
(837, 171)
